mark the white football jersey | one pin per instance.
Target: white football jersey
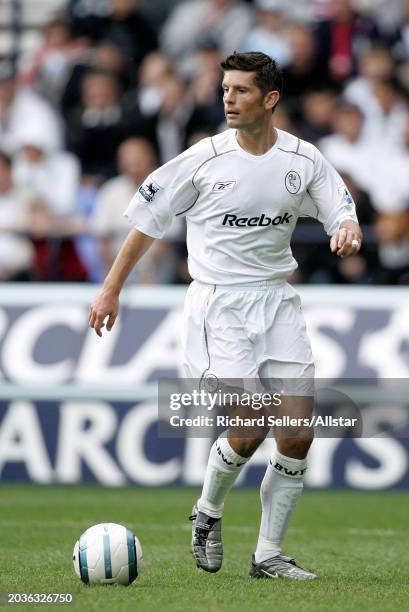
(241, 209)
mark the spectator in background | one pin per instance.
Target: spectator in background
(171, 112)
(307, 11)
(21, 108)
(171, 119)
(142, 104)
(119, 21)
(345, 148)
(316, 267)
(50, 66)
(106, 56)
(387, 15)
(203, 93)
(95, 131)
(400, 44)
(86, 17)
(317, 113)
(159, 111)
(223, 22)
(384, 177)
(378, 95)
(385, 119)
(388, 188)
(268, 35)
(282, 119)
(16, 249)
(343, 37)
(306, 70)
(136, 160)
(147, 96)
(375, 64)
(128, 29)
(54, 175)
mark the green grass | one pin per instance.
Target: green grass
(357, 542)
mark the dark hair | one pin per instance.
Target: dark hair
(268, 75)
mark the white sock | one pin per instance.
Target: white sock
(281, 487)
(222, 470)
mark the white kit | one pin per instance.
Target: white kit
(241, 209)
(241, 318)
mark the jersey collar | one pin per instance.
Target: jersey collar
(246, 155)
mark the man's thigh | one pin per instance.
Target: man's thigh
(215, 341)
(287, 363)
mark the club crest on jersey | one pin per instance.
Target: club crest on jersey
(293, 182)
(223, 185)
(148, 191)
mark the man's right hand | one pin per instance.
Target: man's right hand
(105, 304)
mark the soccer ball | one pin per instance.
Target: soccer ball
(107, 554)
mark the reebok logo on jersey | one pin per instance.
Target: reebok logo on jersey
(223, 186)
(263, 221)
(148, 191)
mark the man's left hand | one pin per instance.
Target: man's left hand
(347, 240)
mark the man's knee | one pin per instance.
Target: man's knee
(245, 447)
(296, 447)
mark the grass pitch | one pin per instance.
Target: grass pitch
(357, 542)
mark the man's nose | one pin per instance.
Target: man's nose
(229, 97)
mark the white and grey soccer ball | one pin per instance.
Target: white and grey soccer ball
(107, 554)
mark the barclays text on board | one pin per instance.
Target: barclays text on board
(117, 443)
(103, 430)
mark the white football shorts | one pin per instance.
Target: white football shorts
(255, 332)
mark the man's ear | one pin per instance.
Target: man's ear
(271, 99)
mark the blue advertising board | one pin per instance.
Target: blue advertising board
(77, 408)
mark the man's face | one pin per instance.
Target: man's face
(244, 103)
(99, 91)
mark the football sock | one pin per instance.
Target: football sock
(281, 487)
(222, 470)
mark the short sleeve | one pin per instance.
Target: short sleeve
(327, 198)
(169, 191)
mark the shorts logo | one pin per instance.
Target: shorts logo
(148, 191)
(223, 186)
(292, 182)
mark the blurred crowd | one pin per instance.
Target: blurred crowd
(111, 93)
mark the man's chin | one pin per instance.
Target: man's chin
(233, 121)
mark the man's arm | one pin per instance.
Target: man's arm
(106, 302)
(347, 240)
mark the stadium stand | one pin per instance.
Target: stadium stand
(108, 70)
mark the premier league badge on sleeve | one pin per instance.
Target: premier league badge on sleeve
(148, 191)
(346, 197)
